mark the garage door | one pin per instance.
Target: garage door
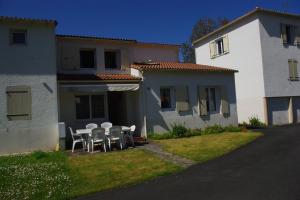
(296, 109)
(278, 110)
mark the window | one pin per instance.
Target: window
(293, 71)
(18, 103)
(90, 106)
(289, 34)
(210, 94)
(219, 47)
(165, 98)
(87, 58)
(18, 36)
(112, 59)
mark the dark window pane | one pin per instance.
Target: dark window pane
(220, 46)
(82, 107)
(212, 99)
(165, 97)
(87, 58)
(207, 99)
(18, 37)
(98, 106)
(110, 59)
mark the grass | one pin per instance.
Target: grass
(57, 176)
(207, 147)
(103, 171)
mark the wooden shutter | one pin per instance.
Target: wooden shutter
(202, 101)
(283, 33)
(224, 101)
(212, 49)
(18, 103)
(182, 99)
(295, 69)
(226, 44)
(291, 69)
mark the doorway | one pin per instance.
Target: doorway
(117, 108)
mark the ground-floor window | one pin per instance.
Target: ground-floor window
(165, 98)
(211, 99)
(90, 106)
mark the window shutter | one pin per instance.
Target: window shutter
(295, 70)
(212, 48)
(291, 70)
(182, 99)
(202, 101)
(226, 44)
(283, 33)
(224, 101)
(18, 103)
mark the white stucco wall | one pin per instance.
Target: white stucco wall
(158, 120)
(276, 55)
(69, 58)
(32, 65)
(245, 56)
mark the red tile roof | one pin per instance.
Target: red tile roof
(97, 77)
(170, 66)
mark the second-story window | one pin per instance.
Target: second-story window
(290, 35)
(219, 47)
(112, 59)
(18, 37)
(87, 58)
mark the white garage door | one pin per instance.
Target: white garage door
(296, 109)
(278, 110)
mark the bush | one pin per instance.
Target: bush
(232, 128)
(179, 130)
(255, 122)
(214, 129)
(160, 136)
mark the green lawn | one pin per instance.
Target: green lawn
(207, 147)
(57, 176)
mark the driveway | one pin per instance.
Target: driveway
(266, 169)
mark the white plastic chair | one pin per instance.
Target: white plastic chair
(76, 139)
(98, 136)
(91, 126)
(132, 129)
(106, 126)
(116, 136)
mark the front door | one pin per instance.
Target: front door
(117, 108)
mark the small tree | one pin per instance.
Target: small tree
(200, 29)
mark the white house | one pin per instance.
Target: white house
(47, 78)
(28, 99)
(264, 46)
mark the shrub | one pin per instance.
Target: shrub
(255, 122)
(232, 128)
(213, 129)
(179, 130)
(160, 136)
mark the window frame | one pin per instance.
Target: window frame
(95, 59)
(117, 53)
(296, 78)
(208, 99)
(171, 99)
(11, 37)
(221, 47)
(90, 106)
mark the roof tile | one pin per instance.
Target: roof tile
(97, 77)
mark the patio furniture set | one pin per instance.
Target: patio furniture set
(105, 135)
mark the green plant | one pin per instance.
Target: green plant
(232, 128)
(255, 122)
(179, 130)
(160, 136)
(213, 129)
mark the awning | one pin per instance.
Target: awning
(99, 88)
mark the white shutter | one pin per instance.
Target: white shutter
(202, 101)
(295, 69)
(224, 101)
(291, 69)
(212, 48)
(182, 100)
(226, 44)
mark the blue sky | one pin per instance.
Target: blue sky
(167, 21)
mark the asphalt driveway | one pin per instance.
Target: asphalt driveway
(267, 169)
